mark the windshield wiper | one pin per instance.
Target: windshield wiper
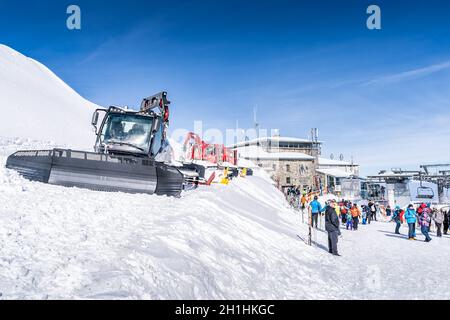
(126, 144)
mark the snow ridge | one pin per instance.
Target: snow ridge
(36, 103)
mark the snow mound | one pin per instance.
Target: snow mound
(221, 242)
(36, 104)
(235, 241)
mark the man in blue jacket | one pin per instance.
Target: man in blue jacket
(411, 219)
(316, 209)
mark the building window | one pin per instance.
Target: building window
(274, 166)
(288, 180)
(288, 168)
(302, 169)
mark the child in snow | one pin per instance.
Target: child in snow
(446, 219)
(343, 210)
(438, 218)
(388, 211)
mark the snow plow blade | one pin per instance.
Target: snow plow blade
(97, 171)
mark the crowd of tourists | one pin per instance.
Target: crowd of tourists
(349, 215)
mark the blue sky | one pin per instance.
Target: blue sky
(381, 96)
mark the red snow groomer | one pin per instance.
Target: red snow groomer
(209, 157)
(197, 150)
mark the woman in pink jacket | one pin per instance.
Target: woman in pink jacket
(425, 222)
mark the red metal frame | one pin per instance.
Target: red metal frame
(196, 149)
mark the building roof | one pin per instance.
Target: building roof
(274, 139)
(258, 153)
(330, 162)
(390, 174)
(245, 163)
(337, 173)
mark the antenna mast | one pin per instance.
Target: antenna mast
(255, 122)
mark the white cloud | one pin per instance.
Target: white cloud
(411, 74)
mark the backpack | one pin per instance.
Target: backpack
(401, 214)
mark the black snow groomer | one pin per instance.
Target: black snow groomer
(124, 157)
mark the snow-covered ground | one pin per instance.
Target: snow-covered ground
(236, 241)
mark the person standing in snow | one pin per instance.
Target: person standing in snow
(438, 218)
(396, 217)
(425, 222)
(446, 220)
(303, 202)
(419, 210)
(349, 224)
(388, 211)
(332, 228)
(411, 219)
(343, 210)
(356, 214)
(316, 209)
(364, 214)
(373, 211)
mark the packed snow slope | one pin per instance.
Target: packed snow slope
(35, 103)
(223, 242)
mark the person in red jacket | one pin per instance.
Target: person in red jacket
(343, 211)
(420, 208)
(356, 213)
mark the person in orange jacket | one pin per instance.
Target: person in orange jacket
(303, 201)
(356, 213)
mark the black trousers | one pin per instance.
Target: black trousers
(445, 228)
(355, 223)
(397, 227)
(314, 219)
(332, 242)
(438, 229)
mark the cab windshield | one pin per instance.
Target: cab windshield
(131, 131)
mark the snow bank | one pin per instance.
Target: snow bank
(220, 242)
(38, 105)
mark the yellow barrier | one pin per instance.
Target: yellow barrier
(225, 179)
